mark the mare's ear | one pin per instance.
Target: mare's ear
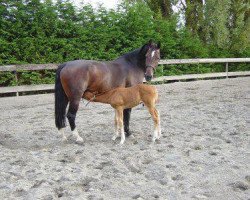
(158, 45)
(150, 42)
(144, 49)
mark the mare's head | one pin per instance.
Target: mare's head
(151, 53)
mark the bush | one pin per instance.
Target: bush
(35, 31)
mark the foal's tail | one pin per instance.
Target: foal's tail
(61, 101)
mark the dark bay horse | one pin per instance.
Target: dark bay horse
(74, 78)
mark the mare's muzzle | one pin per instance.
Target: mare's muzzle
(149, 73)
(148, 78)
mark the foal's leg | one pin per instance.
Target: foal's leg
(159, 125)
(120, 122)
(157, 130)
(116, 126)
(71, 115)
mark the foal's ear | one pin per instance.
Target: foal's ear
(158, 45)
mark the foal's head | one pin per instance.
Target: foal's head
(151, 53)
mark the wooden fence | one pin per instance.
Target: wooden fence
(43, 87)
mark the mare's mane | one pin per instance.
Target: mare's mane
(136, 57)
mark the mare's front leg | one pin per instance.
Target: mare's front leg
(71, 115)
(126, 119)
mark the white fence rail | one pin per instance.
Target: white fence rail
(43, 87)
(204, 60)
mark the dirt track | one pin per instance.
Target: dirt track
(203, 154)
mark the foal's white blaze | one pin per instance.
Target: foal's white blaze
(152, 54)
(78, 137)
(61, 132)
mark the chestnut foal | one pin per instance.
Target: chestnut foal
(122, 98)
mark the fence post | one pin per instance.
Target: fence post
(16, 78)
(227, 69)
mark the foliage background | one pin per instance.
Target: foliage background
(36, 31)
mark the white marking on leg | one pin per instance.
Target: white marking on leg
(116, 134)
(122, 131)
(122, 136)
(159, 132)
(159, 127)
(120, 124)
(77, 136)
(61, 132)
(155, 135)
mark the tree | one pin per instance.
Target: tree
(161, 8)
(239, 25)
(216, 23)
(194, 16)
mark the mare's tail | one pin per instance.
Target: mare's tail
(61, 100)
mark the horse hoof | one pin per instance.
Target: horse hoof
(64, 139)
(132, 136)
(128, 133)
(79, 141)
(114, 137)
(121, 143)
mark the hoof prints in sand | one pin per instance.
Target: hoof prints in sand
(203, 153)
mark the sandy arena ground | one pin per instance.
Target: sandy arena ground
(203, 154)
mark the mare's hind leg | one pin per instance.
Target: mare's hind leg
(126, 119)
(71, 115)
(61, 132)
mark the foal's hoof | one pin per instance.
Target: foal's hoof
(79, 141)
(114, 137)
(64, 139)
(122, 142)
(132, 136)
